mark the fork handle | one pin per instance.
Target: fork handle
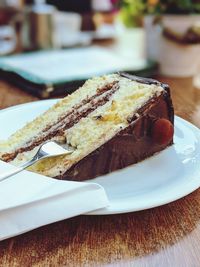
(8, 174)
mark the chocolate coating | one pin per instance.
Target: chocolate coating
(129, 146)
(142, 79)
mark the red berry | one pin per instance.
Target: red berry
(162, 131)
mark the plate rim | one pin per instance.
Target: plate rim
(34, 102)
(107, 211)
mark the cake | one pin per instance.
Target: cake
(112, 121)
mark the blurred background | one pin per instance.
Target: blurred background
(49, 48)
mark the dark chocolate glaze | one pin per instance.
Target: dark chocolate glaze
(142, 79)
(130, 145)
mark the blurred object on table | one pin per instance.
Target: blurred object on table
(41, 25)
(10, 29)
(87, 9)
(8, 40)
(104, 19)
(172, 32)
(130, 42)
(173, 35)
(152, 37)
(94, 14)
(70, 25)
(12, 3)
(128, 29)
(179, 53)
(46, 27)
(48, 73)
(57, 24)
(83, 7)
(67, 30)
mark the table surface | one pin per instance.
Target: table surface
(163, 236)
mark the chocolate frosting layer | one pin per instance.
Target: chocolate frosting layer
(129, 146)
(142, 79)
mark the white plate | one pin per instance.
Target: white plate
(163, 178)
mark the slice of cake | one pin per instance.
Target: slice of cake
(112, 121)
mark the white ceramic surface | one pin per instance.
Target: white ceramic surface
(67, 29)
(179, 60)
(163, 178)
(152, 38)
(175, 60)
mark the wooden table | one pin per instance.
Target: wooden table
(163, 236)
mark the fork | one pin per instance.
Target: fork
(46, 150)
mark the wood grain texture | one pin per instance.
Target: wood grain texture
(163, 236)
(10, 95)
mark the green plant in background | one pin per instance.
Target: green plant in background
(131, 11)
(173, 6)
